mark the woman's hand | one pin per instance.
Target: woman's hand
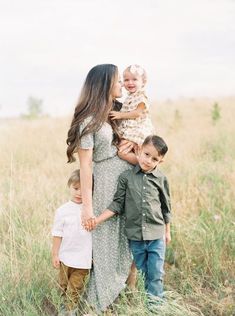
(86, 214)
(125, 146)
(88, 219)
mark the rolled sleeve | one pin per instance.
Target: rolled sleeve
(57, 229)
(118, 204)
(165, 201)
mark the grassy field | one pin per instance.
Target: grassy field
(200, 263)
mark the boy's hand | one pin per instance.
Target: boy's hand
(56, 261)
(115, 115)
(90, 224)
(168, 238)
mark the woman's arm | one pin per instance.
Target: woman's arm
(138, 112)
(85, 158)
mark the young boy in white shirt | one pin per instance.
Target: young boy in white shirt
(71, 247)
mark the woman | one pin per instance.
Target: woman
(92, 135)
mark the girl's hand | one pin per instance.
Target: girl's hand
(115, 115)
(56, 261)
(125, 146)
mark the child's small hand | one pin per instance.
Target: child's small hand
(56, 262)
(115, 115)
(168, 238)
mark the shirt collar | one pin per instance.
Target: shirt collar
(154, 172)
(137, 93)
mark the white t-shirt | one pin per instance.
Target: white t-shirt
(76, 246)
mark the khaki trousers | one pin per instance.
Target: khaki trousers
(72, 281)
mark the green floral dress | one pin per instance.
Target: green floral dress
(111, 255)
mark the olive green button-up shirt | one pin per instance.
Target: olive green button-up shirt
(145, 200)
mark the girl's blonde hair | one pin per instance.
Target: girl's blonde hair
(137, 70)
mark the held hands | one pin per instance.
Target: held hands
(88, 219)
(90, 224)
(86, 214)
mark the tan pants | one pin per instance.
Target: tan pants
(72, 281)
(132, 277)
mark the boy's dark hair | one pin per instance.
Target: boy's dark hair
(158, 143)
(74, 178)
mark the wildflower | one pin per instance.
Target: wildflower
(217, 217)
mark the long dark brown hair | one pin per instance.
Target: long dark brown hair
(95, 101)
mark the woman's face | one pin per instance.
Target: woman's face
(117, 87)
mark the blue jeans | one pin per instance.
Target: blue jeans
(149, 258)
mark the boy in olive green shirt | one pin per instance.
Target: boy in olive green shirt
(143, 195)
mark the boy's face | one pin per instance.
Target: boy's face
(132, 82)
(75, 192)
(149, 158)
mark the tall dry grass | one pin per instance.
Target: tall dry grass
(200, 263)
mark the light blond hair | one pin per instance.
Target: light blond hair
(137, 70)
(74, 178)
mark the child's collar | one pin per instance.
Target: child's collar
(136, 93)
(154, 171)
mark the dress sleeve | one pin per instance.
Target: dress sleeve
(143, 99)
(87, 141)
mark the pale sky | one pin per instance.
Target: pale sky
(47, 47)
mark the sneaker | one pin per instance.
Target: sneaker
(154, 303)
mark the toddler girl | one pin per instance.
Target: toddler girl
(135, 122)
